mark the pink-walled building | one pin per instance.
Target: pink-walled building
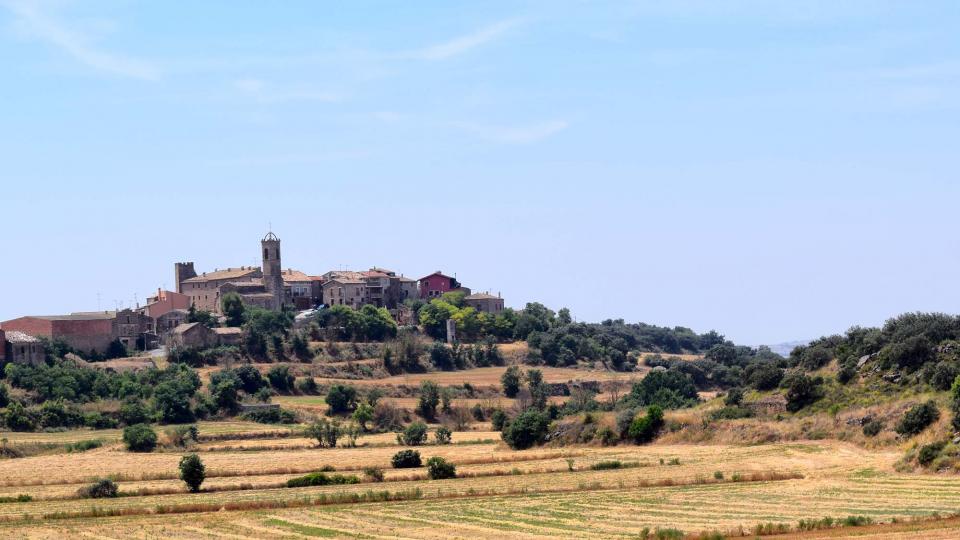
(165, 302)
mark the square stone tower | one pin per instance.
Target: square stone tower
(272, 269)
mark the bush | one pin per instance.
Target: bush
(375, 474)
(607, 436)
(607, 465)
(731, 413)
(527, 429)
(440, 469)
(341, 398)
(101, 489)
(406, 459)
(930, 452)
(429, 399)
(414, 435)
(917, 419)
(734, 397)
(645, 428)
(321, 479)
(83, 446)
(443, 435)
(271, 416)
(872, 428)
(801, 391)
(499, 420)
(280, 379)
(307, 385)
(139, 438)
(477, 412)
(192, 471)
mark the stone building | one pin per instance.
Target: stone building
(17, 347)
(168, 321)
(134, 329)
(485, 303)
(262, 287)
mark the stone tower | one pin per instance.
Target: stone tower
(182, 271)
(272, 269)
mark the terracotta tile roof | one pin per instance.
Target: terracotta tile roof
(437, 273)
(229, 273)
(295, 276)
(79, 316)
(182, 328)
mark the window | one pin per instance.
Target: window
(266, 254)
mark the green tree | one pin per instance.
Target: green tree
(644, 429)
(440, 469)
(917, 418)
(226, 397)
(232, 307)
(325, 432)
(443, 435)
(363, 415)
(139, 438)
(429, 399)
(413, 435)
(538, 389)
(281, 379)
(801, 391)
(341, 398)
(406, 459)
(192, 472)
(527, 429)
(510, 381)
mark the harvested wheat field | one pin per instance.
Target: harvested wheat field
(498, 492)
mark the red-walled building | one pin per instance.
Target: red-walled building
(82, 331)
(434, 285)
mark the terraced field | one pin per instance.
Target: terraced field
(498, 492)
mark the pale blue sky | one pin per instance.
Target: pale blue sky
(772, 170)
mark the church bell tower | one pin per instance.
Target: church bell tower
(272, 269)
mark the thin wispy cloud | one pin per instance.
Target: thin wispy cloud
(265, 92)
(34, 20)
(516, 134)
(465, 43)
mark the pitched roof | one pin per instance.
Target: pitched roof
(185, 327)
(19, 337)
(437, 273)
(295, 276)
(229, 273)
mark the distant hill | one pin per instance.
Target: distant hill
(783, 349)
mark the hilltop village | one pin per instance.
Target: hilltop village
(169, 317)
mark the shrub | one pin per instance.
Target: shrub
(181, 436)
(930, 452)
(406, 459)
(607, 436)
(375, 474)
(443, 435)
(872, 428)
(801, 391)
(498, 419)
(321, 479)
(192, 471)
(280, 378)
(734, 397)
(644, 429)
(133, 412)
(271, 416)
(414, 435)
(527, 429)
(307, 385)
(440, 469)
(387, 417)
(139, 438)
(918, 418)
(83, 446)
(100, 489)
(731, 413)
(477, 412)
(607, 465)
(341, 398)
